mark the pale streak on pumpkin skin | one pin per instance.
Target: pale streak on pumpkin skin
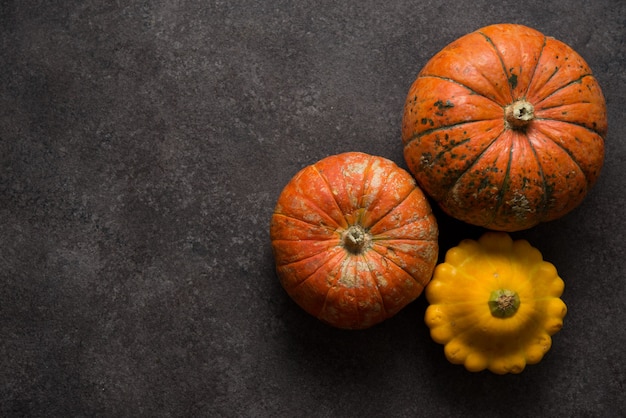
(395, 282)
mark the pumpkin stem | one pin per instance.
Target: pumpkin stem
(503, 303)
(519, 114)
(355, 239)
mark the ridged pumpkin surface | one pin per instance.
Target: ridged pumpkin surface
(354, 239)
(505, 128)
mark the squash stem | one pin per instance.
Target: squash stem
(356, 239)
(503, 303)
(519, 114)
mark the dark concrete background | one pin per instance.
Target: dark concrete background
(143, 145)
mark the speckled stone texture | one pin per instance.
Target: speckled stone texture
(143, 145)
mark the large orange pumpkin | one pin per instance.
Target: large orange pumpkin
(354, 239)
(505, 128)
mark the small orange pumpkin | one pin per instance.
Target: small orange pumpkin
(354, 239)
(505, 128)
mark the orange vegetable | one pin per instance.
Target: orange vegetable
(505, 128)
(354, 239)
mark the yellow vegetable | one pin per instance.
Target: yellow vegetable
(494, 304)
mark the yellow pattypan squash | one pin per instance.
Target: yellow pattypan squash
(494, 304)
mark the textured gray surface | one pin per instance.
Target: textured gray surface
(143, 145)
